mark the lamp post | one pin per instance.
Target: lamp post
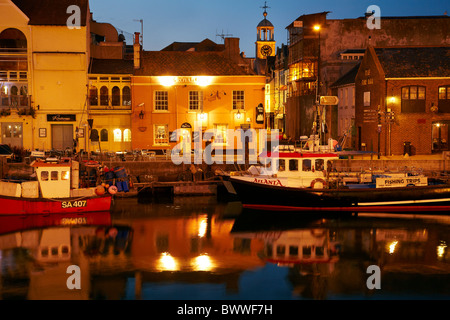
(317, 28)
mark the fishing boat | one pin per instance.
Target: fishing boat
(54, 190)
(303, 179)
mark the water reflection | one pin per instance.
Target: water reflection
(196, 248)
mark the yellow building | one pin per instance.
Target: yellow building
(44, 55)
(109, 97)
(177, 89)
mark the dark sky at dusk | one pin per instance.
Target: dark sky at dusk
(194, 20)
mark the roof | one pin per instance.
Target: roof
(347, 78)
(176, 63)
(265, 23)
(205, 45)
(405, 62)
(51, 12)
(111, 66)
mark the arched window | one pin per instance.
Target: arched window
(115, 97)
(14, 96)
(127, 135)
(104, 135)
(13, 40)
(104, 96)
(93, 96)
(117, 135)
(24, 96)
(126, 96)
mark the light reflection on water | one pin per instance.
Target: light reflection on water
(196, 248)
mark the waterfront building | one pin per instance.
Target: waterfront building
(175, 89)
(341, 44)
(109, 96)
(403, 100)
(43, 68)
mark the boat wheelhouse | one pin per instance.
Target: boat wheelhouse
(54, 191)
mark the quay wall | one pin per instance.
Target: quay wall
(165, 170)
(431, 167)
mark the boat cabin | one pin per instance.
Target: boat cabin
(56, 177)
(301, 169)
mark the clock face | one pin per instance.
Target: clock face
(266, 50)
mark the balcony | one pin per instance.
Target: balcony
(109, 102)
(15, 101)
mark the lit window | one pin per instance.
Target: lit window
(444, 93)
(161, 100)
(413, 99)
(161, 134)
(195, 100)
(238, 99)
(65, 175)
(127, 135)
(117, 135)
(220, 133)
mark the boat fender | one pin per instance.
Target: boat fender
(100, 190)
(324, 183)
(112, 190)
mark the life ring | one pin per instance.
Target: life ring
(318, 180)
(112, 190)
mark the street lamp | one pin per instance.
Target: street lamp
(317, 28)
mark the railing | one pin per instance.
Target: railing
(14, 101)
(109, 102)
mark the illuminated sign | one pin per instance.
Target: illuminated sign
(61, 117)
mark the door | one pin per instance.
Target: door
(62, 136)
(12, 134)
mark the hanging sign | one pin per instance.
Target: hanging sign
(260, 114)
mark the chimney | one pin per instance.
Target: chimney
(137, 50)
(232, 50)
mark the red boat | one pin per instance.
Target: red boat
(55, 191)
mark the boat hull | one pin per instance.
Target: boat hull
(20, 206)
(405, 199)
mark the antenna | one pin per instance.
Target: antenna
(223, 35)
(142, 30)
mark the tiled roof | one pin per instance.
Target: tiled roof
(205, 45)
(176, 63)
(51, 12)
(403, 62)
(111, 66)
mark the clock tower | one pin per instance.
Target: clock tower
(265, 42)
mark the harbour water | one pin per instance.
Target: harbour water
(197, 248)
